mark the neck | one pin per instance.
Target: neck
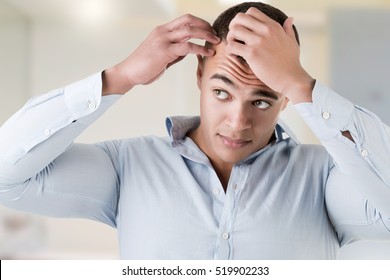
(223, 172)
(222, 169)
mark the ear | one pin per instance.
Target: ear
(200, 70)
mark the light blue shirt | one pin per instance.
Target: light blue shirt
(286, 201)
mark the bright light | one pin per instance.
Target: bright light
(235, 2)
(94, 12)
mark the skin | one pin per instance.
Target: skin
(166, 45)
(238, 111)
(240, 102)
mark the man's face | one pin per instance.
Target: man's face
(238, 112)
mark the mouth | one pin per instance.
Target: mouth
(233, 143)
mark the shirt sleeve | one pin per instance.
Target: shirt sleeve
(358, 188)
(43, 171)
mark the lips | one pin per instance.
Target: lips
(233, 143)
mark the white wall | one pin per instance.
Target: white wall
(14, 60)
(46, 54)
(62, 54)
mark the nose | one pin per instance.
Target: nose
(239, 118)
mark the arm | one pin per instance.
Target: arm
(42, 171)
(357, 191)
(166, 45)
(358, 188)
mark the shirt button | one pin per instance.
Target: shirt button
(46, 132)
(235, 187)
(225, 236)
(325, 115)
(216, 191)
(364, 152)
(91, 105)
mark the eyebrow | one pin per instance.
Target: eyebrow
(224, 79)
(259, 92)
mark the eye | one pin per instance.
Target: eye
(221, 94)
(261, 104)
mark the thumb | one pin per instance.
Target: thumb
(288, 27)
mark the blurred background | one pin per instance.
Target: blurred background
(47, 44)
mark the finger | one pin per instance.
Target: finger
(191, 20)
(236, 48)
(187, 32)
(175, 61)
(258, 15)
(253, 24)
(288, 28)
(245, 20)
(182, 49)
(239, 34)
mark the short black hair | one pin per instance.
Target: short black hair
(221, 24)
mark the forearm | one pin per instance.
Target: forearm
(43, 172)
(114, 81)
(300, 89)
(332, 117)
(74, 106)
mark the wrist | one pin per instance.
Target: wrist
(114, 82)
(300, 90)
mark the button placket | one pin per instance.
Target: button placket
(225, 236)
(225, 226)
(225, 232)
(364, 152)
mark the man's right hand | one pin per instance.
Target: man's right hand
(166, 45)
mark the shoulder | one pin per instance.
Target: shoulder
(304, 154)
(137, 145)
(151, 142)
(313, 154)
(146, 147)
(145, 151)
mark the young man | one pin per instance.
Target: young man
(226, 185)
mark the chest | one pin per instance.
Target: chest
(177, 209)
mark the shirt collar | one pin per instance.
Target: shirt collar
(179, 126)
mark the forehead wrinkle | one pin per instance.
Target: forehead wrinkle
(238, 71)
(234, 63)
(224, 79)
(236, 67)
(260, 92)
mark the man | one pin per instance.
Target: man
(227, 185)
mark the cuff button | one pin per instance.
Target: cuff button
(91, 105)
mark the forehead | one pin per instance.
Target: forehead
(235, 68)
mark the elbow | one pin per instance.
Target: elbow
(12, 182)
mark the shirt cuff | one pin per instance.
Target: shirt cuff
(84, 97)
(329, 114)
